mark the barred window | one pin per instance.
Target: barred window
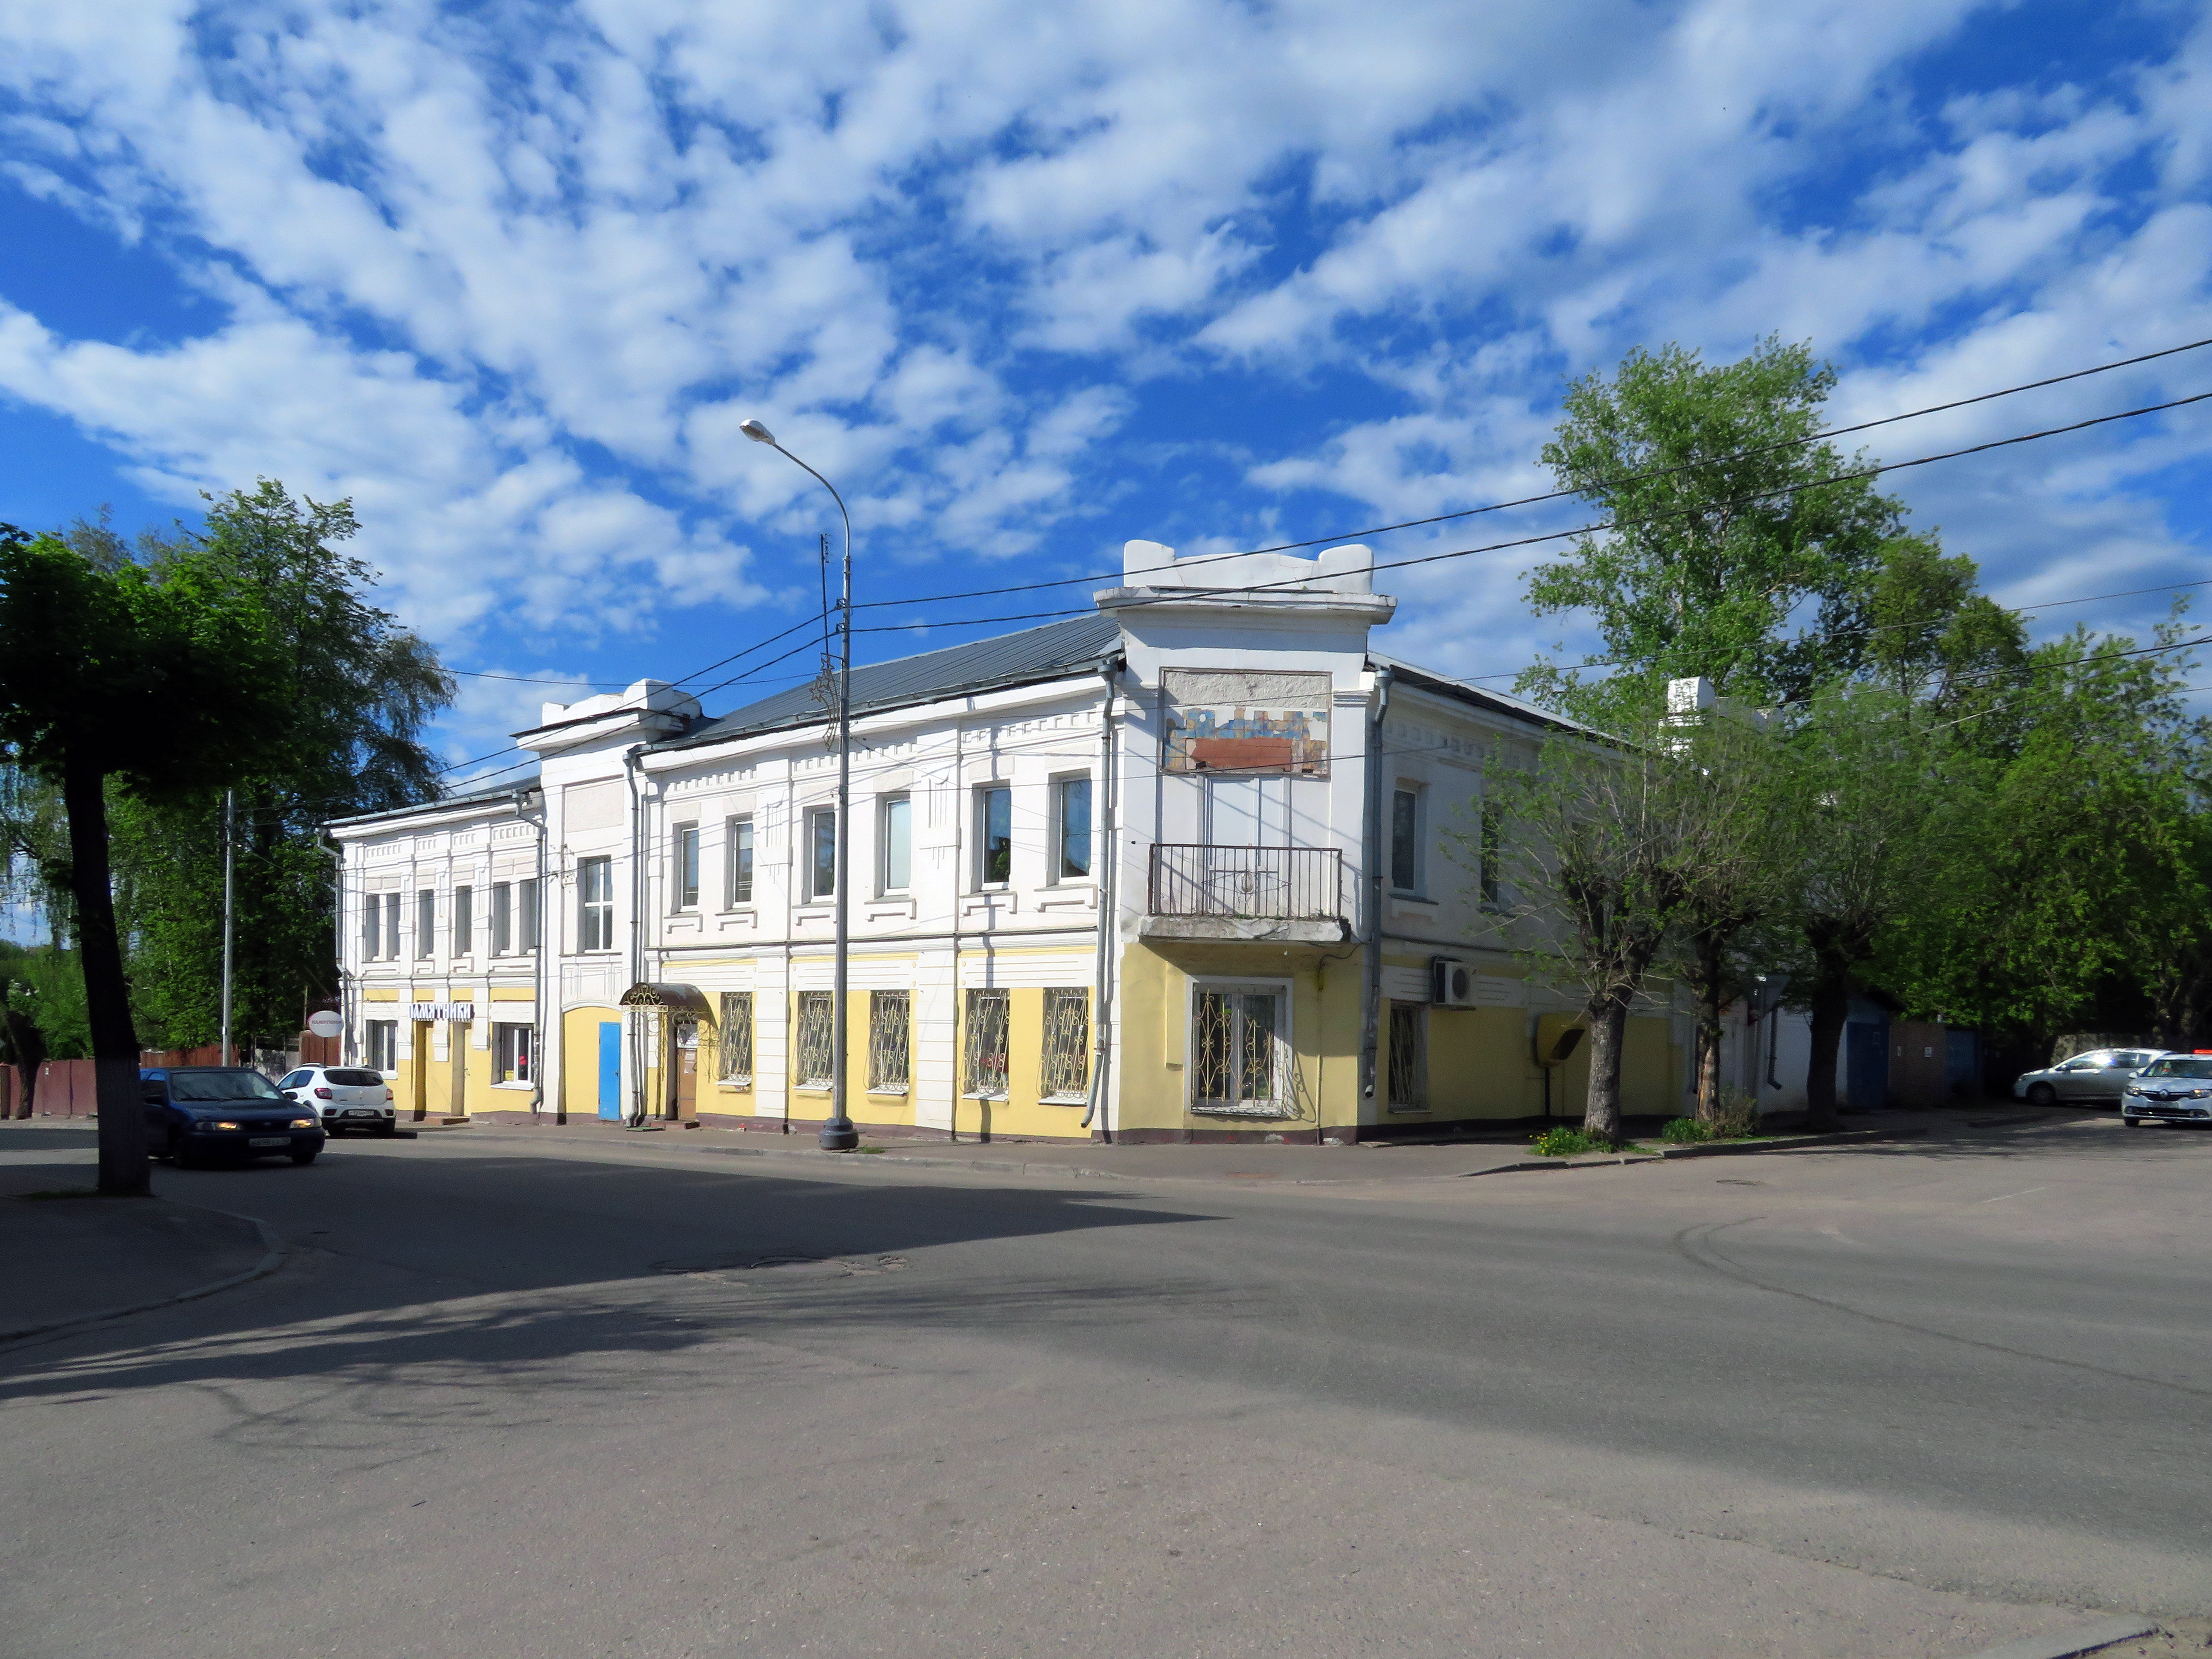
(1409, 1058)
(1241, 1066)
(737, 1026)
(1067, 1075)
(985, 1045)
(811, 1048)
(890, 1021)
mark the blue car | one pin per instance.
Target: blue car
(206, 1114)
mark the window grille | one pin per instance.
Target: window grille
(890, 1022)
(1241, 1068)
(986, 1045)
(1409, 1059)
(1066, 1046)
(811, 1050)
(737, 1026)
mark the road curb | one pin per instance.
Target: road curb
(274, 1253)
(1719, 1149)
(2069, 1645)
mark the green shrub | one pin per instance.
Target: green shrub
(1686, 1131)
(1563, 1142)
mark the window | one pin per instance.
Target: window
(426, 924)
(299, 1079)
(994, 836)
(822, 853)
(383, 1036)
(372, 925)
(1491, 850)
(811, 1048)
(526, 916)
(984, 1046)
(502, 918)
(737, 1060)
(464, 921)
(595, 904)
(1241, 1065)
(392, 926)
(683, 877)
(740, 855)
(895, 858)
(510, 1053)
(890, 1023)
(1066, 1074)
(1070, 825)
(1406, 839)
(1409, 1057)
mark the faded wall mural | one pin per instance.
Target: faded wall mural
(1248, 720)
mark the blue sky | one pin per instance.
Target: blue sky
(1031, 280)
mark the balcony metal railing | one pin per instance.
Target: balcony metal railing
(1262, 883)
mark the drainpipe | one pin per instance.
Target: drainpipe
(1106, 863)
(963, 803)
(338, 908)
(635, 1021)
(1371, 1017)
(537, 1042)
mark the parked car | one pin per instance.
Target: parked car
(2098, 1078)
(2174, 1088)
(199, 1113)
(345, 1098)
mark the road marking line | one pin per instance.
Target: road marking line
(2022, 1193)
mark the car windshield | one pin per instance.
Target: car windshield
(351, 1077)
(2180, 1066)
(237, 1083)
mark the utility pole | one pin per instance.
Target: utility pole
(229, 905)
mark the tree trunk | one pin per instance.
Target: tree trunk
(1709, 993)
(1608, 1031)
(107, 994)
(1831, 1010)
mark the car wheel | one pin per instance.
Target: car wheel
(388, 1132)
(305, 1155)
(180, 1153)
(2042, 1094)
(2132, 1122)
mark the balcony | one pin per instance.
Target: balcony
(1284, 893)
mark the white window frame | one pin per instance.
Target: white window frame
(380, 1043)
(984, 882)
(1287, 1054)
(465, 919)
(740, 861)
(502, 918)
(683, 869)
(885, 807)
(426, 924)
(593, 908)
(1057, 874)
(525, 916)
(1420, 886)
(502, 1050)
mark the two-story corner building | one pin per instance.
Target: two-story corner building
(1201, 864)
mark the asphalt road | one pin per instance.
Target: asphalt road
(514, 1397)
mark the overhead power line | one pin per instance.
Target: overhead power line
(1562, 494)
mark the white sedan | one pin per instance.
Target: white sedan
(2098, 1078)
(344, 1097)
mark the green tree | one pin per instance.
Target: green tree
(159, 684)
(362, 688)
(1598, 833)
(1720, 534)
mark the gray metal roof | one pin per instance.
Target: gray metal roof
(1055, 651)
(1498, 703)
(463, 797)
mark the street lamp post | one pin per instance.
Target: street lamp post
(838, 1134)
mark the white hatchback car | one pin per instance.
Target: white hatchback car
(344, 1097)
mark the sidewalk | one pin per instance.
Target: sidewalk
(1289, 1163)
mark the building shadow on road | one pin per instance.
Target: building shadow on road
(537, 1275)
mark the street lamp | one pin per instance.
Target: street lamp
(838, 1134)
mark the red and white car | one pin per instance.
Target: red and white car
(345, 1098)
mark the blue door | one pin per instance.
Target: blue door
(1867, 1065)
(611, 1069)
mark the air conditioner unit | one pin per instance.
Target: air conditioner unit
(1451, 982)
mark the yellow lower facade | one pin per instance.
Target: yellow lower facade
(1460, 1066)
